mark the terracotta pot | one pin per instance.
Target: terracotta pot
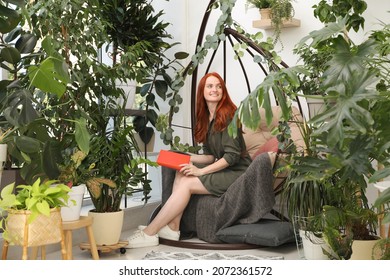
(265, 13)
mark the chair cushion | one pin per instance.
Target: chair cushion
(255, 139)
(272, 145)
(266, 232)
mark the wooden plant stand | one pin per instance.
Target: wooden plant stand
(121, 245)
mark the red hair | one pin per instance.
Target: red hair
(223, 115)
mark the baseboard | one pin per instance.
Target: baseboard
(134, 216)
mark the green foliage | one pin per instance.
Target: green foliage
(122, 20)
(114, 166)
(53, 127)
(352, 10)
(5, 134)
(351, 133)
(38, 198)
(383, 203)
(259, 4)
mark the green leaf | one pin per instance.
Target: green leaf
(13, 34)
(52, 190)
(181, 55)
(26, 43)
(343, 64)
(7, 190)
(9, 19)
(380, 174)
(82, 135)
(152, 116)
(43, 208)
(161, 88)
(383, 198)
(47, 45)
(22, 112)
(50, 158)
(145, 89)
(10, 55)
(46, 78)
(27, 144)
(329, 31)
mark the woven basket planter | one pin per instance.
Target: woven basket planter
(42, 231)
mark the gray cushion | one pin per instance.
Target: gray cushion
(264, 233)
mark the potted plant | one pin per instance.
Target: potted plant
(115, 170)
(264, 6)
(277, 11)
(34, 77)
(32, 215)
(351, 143)
(304, 195)
(350, 134)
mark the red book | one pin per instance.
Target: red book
(172, 159)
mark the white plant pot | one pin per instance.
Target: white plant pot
(312, 246)
(75, 202)
(3, 155)
(315, 106)
(107, 227)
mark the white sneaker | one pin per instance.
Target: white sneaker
(166, 233)
(140, 239)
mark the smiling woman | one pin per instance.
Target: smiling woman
(223, 160)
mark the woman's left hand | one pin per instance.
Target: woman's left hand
(190, 170)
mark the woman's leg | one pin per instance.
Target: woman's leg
(172, 211)
(175, 223)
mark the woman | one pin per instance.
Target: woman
(223, 160)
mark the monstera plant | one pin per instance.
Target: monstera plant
(351, 134)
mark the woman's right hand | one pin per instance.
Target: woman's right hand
(190, 170)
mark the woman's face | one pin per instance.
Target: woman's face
(212, 90)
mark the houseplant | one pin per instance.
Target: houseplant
(350, 133)
(352, 130)
(115, 169)
(32, 215)
(35, 76)
(278, 11)
(304, 195)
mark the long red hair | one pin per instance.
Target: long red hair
(223, 115)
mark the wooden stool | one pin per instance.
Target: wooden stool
(68, 227)
(34, 251)
(43, 231)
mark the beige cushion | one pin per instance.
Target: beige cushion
(254, 139)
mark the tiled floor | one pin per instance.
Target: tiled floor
(288, 251)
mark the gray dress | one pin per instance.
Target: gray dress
(233, 150)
